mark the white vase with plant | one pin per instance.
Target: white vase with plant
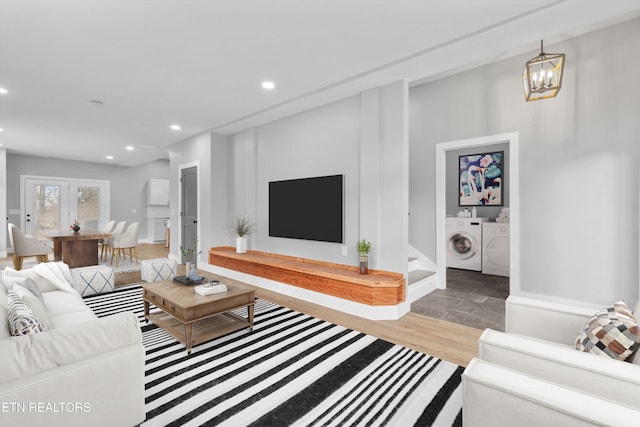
(187, 255)
(241, 227)
(363, 248)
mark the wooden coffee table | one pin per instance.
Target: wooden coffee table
(193, 318)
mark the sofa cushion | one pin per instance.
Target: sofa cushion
(66, 308)
(35, 304)
(22, 320)
(11, 276)
(29, 355)
(611, 332)
(32, 286)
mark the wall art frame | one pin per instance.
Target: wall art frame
(481, 179)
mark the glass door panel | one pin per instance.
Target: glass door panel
(88, 202)
(43, 207)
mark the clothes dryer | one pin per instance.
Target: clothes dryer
(464, 243)
(495, 248)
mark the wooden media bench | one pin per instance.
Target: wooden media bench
(377, 288)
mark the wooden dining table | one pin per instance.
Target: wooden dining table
(77, 248)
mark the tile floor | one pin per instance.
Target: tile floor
(471, 298)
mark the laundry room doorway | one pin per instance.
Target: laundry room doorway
(475, 275)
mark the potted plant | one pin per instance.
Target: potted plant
(187, 255)
(241, 227)
(363, 250)
(75, 226)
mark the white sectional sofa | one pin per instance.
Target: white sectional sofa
(532, 375)
(83, 371)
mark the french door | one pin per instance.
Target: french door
(52, 204)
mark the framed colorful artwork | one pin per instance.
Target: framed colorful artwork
(481, 179)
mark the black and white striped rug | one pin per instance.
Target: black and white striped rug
(291, 370)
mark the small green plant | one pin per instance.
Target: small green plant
(363, 247)
(241, 226)
(188, 254)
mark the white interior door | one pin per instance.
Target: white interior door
(51, 204)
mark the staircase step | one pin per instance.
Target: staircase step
(417, 275)
(412, 258)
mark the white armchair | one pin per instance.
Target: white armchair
(26, 246)
(127, 240)
(535, 359)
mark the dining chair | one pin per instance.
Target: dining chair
(127, 240)
(106, 243)
(26, 246)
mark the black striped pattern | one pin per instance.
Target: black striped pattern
(292, 369)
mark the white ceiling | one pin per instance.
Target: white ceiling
(199, 63)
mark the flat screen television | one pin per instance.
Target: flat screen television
(307, 208)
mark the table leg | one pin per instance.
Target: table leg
(250, 315)
(188, 331)
(146, 311)
(57, 250)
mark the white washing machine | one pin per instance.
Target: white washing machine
(464, 243)
(495, 248)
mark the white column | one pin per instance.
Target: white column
(3, 202)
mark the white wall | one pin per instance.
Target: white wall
(578, 162)
(363, 138)
(3, 203)
(207, 151)
(323, 141)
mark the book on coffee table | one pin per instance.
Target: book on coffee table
(210, 289)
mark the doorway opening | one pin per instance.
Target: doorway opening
(51, 204)
(466, 281)
(189, 209)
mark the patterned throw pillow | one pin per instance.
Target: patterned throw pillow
(22, 321)
(611, 332)
(34, 304)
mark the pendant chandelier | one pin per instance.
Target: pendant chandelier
(542, 76)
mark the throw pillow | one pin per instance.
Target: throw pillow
(10, 276)
(611, 332)
(22, 321)
(32, 286)
(33, 303)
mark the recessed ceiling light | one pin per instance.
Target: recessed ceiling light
(109, 157)
(130, 148)
(268, 85)
(1, 130)
(3, 91)
(175, 127)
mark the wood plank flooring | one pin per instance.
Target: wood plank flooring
(440, 338)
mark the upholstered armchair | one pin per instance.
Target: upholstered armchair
(26, 246)
(106, 243)
(532, 374)
(127, 240)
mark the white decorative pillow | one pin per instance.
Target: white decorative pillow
(32, 302)
(10, 276)
(22, 321)
(612, 332)
(31, 286)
